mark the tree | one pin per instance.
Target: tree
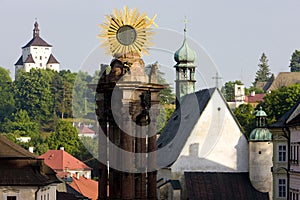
(65, 136)
(295, 61)
(20, 125)
(32, 93)
(263, 74)
(244, 115)
(279, 101)
(228, 89)
(6, 95)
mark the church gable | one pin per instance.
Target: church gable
(215, 143)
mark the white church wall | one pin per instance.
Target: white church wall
(216, 143)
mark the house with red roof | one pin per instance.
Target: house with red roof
(65, 164)
(86, 132)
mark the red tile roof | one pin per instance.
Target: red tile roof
(255, 99)
(86, 187)
(60, 160)
(86, 130)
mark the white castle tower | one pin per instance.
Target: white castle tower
(37, 54)
(260, 155)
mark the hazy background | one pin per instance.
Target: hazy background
(232, 34)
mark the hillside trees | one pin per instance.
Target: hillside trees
(6, 95)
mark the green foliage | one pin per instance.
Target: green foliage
(244, 115)
(33, 94)
(6, 95)
(295, 61)
(228, 89)
(254, 89)
(83, 96)
(65, 136)
(279, 101)
(263, 74)
(20, 125)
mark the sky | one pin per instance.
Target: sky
(228, 36)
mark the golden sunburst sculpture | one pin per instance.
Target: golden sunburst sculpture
(127, 31)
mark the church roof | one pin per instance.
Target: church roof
(52, 60)
(220, 185)
(37, 41)
(29, 59)
(20, 61)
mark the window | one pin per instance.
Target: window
(11, 198)
(281, 153)
(294, 156)
(41, 57)
(41, 64)
(294, 194)
(281, 188)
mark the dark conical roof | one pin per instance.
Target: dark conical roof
(52, 60)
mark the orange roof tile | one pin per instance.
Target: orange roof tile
(87, 187)
(60, 160)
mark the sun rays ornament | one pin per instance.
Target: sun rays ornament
(127, 31)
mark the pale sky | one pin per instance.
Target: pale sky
(233, 33)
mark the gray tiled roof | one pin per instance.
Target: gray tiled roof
(221, 185)
(52, 60)
(20, 61)
(37, 41)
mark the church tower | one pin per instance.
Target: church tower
(260, 155)
(185, 70)
(37, 53)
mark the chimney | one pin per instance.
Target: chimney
(62, 148)
(252, 94)
(30, 149)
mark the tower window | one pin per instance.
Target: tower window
(11, 198)
(41, 64)
(41, 57)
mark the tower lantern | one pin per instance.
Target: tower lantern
(185, 69)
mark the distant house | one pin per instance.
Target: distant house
(254, 99)
(284, 79)
(23, 175)
(86, 132)
(65, 164)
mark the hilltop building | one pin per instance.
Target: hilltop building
(37, 53)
